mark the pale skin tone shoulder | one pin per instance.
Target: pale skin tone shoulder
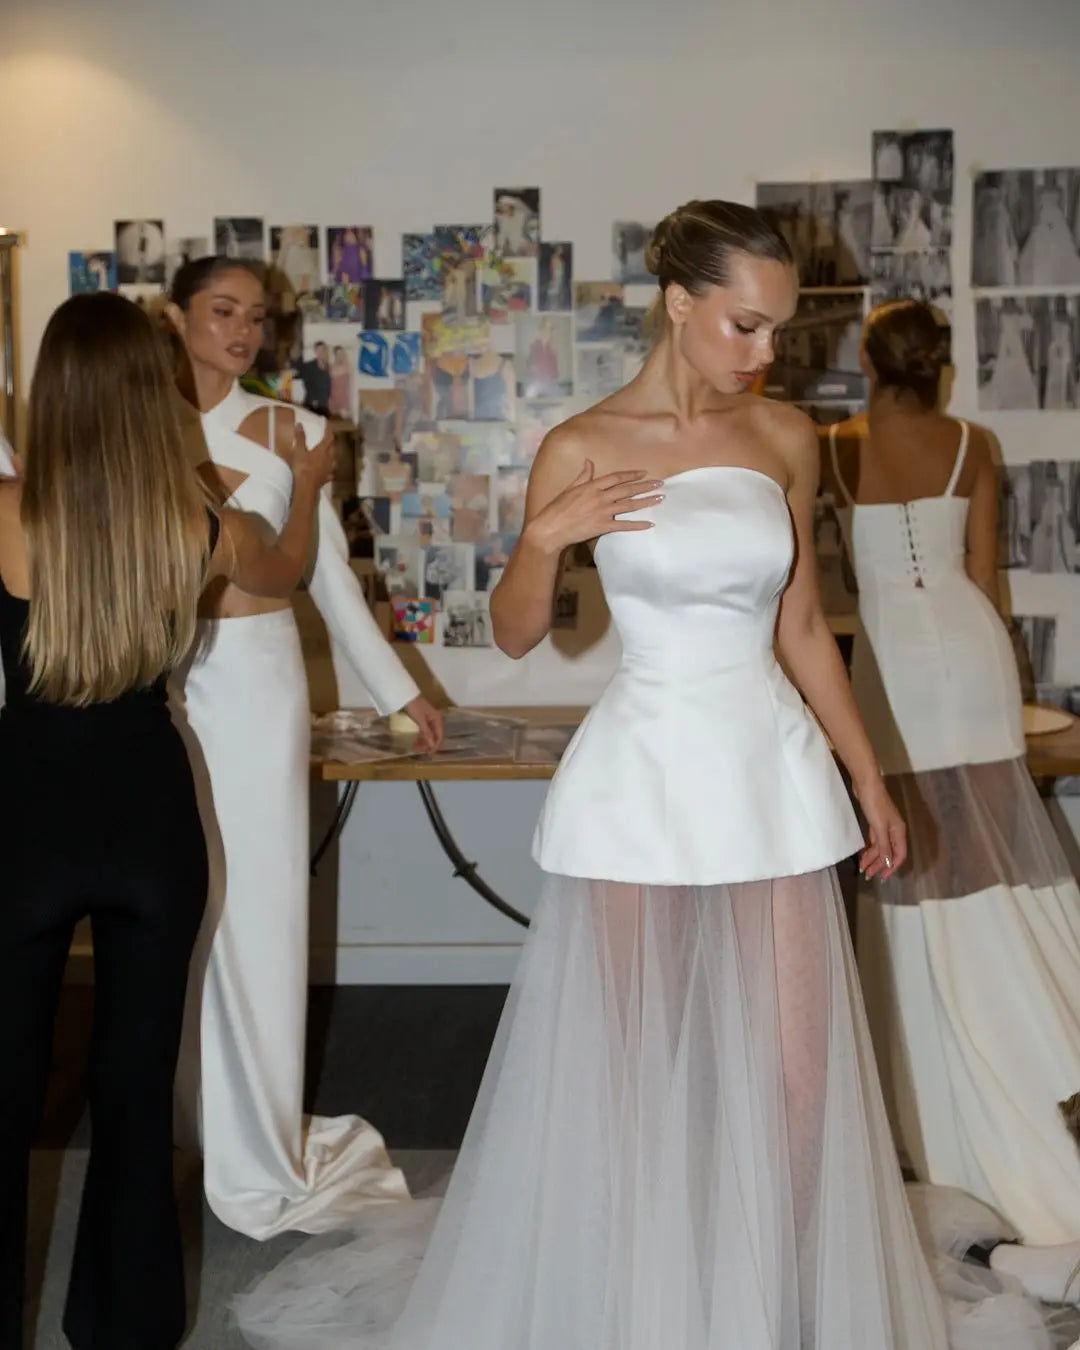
(689, 408)
(221, 329)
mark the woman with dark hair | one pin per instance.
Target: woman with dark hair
(106, 542)
(680, 1139)
(971, 952)
(244, 697)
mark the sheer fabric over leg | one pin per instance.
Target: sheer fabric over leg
(679, 1141)
(971, 962)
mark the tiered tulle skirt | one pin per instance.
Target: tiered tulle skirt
(971, 964)
(679, 1142)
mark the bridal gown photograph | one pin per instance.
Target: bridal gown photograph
(680, 1138)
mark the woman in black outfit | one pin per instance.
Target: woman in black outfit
(106, 542)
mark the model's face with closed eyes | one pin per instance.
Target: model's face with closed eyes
(727, 334)
(222, 326)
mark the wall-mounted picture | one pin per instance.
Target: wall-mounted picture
(544, 356)
(350, 253)
(240, 237)
(294, 253)
(406, 354)
(506, 287)
(925, 276)
(140, 252)
(373, 355)
(629, 240)
(556, 277)
(400, 562)
(414, 619)
(1055, 517)
(91, 272)
(493, 385)
(423, 281)
(343, 368)
(511, 484)
(379, 414)
(466, 619)
(180, 252)
(1028, 348)
(1026, 228)
(449, 567)
(599, 370)
(598, 310)
(341, 301)
(817, 354)
(426, 514)
(913, 190)
(470, 497)
(384, 305)
(1037, 636)
(517, 222)
(827, 228)
(1014, 515)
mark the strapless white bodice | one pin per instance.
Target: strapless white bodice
(700, 763)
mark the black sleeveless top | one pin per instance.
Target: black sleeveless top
(136, 711)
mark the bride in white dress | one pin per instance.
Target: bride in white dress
(243, 702)
(680, 1139)
(970, 954)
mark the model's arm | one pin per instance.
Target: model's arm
(566, 505)
(274, 568)
(981, 560)
(809, 651)
(335, 589)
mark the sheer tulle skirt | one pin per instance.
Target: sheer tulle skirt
(971, 962)
(679, 1141)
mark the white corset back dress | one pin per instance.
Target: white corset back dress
(970, 955)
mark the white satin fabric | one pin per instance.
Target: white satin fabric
(924, 625)
(242, 701)
(700, 761)
(970, 956)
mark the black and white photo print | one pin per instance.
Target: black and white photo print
(1028, 348)
(913, 191)
(827, 228)
(1026, 228)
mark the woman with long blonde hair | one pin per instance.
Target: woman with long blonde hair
(106, 542)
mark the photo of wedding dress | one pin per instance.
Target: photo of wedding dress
(1012, 385)
(1060, 389)
(995, 254)
(1049, 256)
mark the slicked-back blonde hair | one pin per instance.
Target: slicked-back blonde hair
(693, 247)
(114, 515)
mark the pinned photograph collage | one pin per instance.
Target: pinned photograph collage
(451, 372)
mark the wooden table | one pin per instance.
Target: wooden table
(1056, 755)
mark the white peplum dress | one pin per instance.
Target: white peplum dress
(680, 1139)
(971, 954)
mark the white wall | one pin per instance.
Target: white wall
(406, 112)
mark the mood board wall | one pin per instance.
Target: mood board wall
(410, 117)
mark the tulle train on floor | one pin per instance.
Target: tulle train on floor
(679, 1140)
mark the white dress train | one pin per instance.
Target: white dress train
(242, 703)
(680, 1138)
(971, 954)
